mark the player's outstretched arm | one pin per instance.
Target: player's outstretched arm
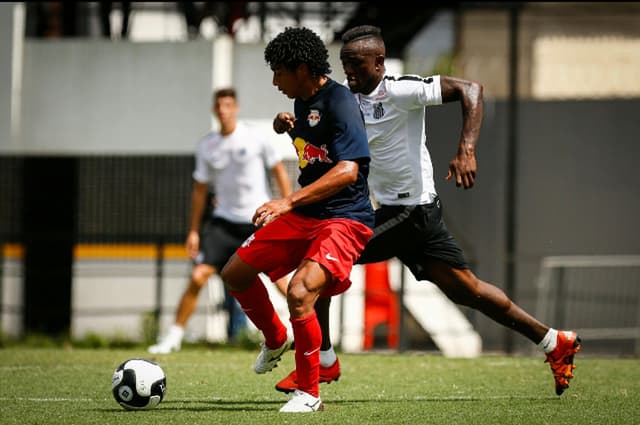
(463, 166)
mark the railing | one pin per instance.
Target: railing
(597, 296)
(110, 282)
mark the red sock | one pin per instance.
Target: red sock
(255, 302)
(308, 337)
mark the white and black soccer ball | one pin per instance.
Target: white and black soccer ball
(138, 384)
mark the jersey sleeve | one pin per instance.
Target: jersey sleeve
(414, 91)
(270, 154)
(201, 172)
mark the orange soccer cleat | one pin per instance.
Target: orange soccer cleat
(289, 383)
(561, 359)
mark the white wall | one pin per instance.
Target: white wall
(104, 97)
(88, 97)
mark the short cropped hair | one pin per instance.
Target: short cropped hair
(224, 92)
(295, 46)
(360, 32)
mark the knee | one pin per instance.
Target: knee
(194, 288)
(479, 294)
(299, 299)
(468, 291)
(200, 276)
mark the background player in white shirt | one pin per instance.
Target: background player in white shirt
(409, 222)
(233, 163)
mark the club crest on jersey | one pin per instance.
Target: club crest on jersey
(378, 111)
(313, 118)
(309, 153)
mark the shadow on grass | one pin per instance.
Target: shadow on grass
(208, 405)
(271, 405)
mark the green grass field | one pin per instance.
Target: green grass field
(218, 386)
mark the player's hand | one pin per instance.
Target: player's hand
(463, 167)
(192, 244)
(271, 210)
(283, 122)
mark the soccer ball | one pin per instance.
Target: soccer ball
(138, 384)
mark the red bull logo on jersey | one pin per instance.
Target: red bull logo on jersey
(309, 153)
(313, 118)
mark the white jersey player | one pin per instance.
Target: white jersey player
(234, 164)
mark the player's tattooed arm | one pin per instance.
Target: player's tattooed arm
(463, 166)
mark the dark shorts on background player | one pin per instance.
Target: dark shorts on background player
(413, 234)
(219, 239)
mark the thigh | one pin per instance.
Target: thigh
(275, 249)
(336, 246)
(237, 274)
(201, 273)
(460, 285)
(442, 273)
(432, 243)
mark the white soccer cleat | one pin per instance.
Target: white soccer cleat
(268, 359)
(302, 402)
(166, 346)
(170, 343)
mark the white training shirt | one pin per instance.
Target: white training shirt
(236, 168)
(401, 172)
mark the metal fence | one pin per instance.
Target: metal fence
(597, 296)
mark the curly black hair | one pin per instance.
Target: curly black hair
(295, 46)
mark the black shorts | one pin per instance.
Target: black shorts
(416, 235)
(219, 240)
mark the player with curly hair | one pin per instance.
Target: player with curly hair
(318, 231)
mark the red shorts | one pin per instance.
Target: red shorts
(279, 247)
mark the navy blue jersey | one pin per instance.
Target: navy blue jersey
(329, 128)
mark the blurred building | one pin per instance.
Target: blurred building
(101, 104)
(566, 50)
